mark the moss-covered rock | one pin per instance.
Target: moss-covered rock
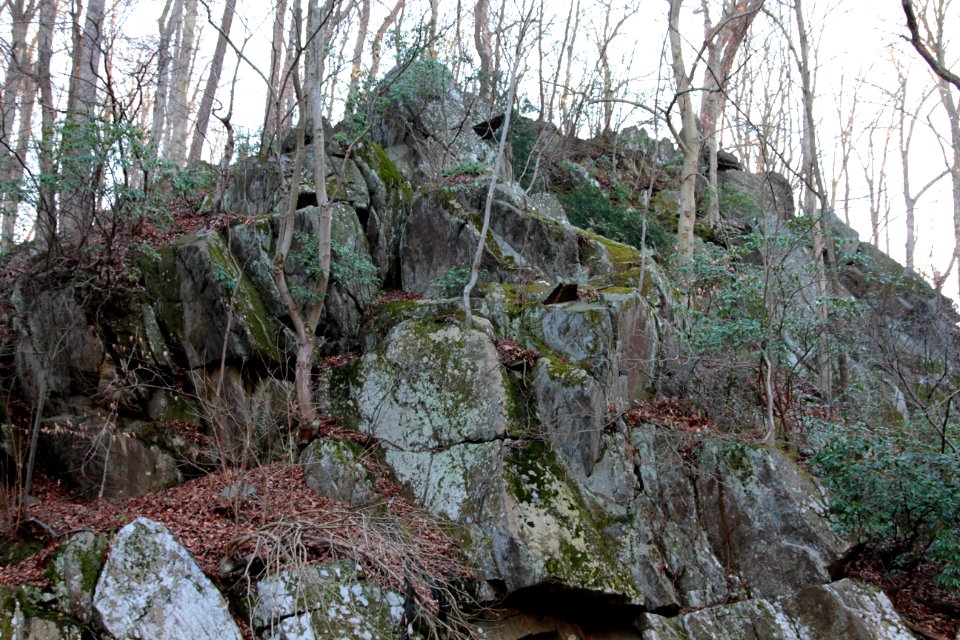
(73, 571)
(200, 295)
(335, 469)
(26, 612)
(150, 587)
(331, 600)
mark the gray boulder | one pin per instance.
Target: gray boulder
(331, 600)
(843, 610)
(201, 295)
(334, 469)
(25, 615)
(74, 569)
(103, 460)
(150, 587)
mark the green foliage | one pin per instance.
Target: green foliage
(467, 168)
(588, 207)
(346, 266)
(523, 143)
(114, 171)
(222, 277)
(453, 281)
(425, 78)
(896, 492)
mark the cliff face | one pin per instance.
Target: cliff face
(583, 504)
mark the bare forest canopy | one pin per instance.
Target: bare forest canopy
(856, 103)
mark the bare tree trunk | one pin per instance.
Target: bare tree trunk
(320, 28)
(87, 60)
(568, 27)
(213, 82)
(16, 100)
(353, 89)
(46, 224)
(723, 42)
(79, 200)
(375, 46)
(179, 103)
(273, 89)
(167, 25)
(826, 277)
(497, 168)
(482, 38)
(688, 138)
(566, 109)
(14, 173)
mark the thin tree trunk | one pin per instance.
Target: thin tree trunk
(46, 224)
(179, 103)
(213, 82)
(482, 40)
(497, 168)
(167, 26)
(274, 91)
(377, 44)
(79, 201)
(688, 138)
(16, 100)
(723, 43)
(28, 95)
(353, 89)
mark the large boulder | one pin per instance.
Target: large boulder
(25, 614)
(748, 197)
(101, 459)
(331, 600)
(766, 520)
(335, 469)
(210, 308)
(444, 409)
(150, 587)
(58, 351)
(73, 572)
(427, 123)
(843, 610)
(436, 399)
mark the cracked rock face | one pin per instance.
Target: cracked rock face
(151, 587)
(843, 609)
(436, 400)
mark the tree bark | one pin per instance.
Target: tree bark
(79, 198)
(482, 40)
(46, 224)
(178, 106)
(274, 91)
(167, 25)
(213, 82)
(688, 138)
(377, 44)
(353, 90)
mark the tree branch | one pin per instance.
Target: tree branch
(922, 48)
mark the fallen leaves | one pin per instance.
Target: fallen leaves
(512, 354)
(208, 525)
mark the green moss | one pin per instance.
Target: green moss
(28, 599)
(14, 551)
(88, 561)
(580, 554)
(375, 156)
(247, 303)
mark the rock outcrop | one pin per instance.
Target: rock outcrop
(575, 520)
(150, 587)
